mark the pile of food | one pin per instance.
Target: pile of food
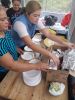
(48, 42)
(56, 88)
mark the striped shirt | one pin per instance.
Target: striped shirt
(7, 45)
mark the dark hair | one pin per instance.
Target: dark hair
(32, 6)
(6, 3)
(50, 20)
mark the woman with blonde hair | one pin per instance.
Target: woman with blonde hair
(25, 26)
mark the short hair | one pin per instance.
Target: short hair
(32, 6)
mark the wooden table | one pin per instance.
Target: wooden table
(14, 88)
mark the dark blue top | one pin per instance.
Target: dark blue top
(12, 14)
(7, 45)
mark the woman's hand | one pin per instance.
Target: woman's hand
(71, 45)
(42, 66)
(54, 58)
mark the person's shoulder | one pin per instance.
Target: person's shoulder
(8, 33)
(9, 10)
(20, 18)
(2, 42)
(3, 47)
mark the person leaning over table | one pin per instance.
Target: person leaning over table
(8, 52)
(24, 28)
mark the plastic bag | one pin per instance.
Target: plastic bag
(50, 20)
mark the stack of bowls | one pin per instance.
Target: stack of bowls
(32, 77)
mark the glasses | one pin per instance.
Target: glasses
(3, 19)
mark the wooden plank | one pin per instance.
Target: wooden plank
(56, 76)
(14, 88)
(7, 83)
(21, 91)
(39, 90)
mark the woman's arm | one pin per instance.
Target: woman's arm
(55, 38)
(39, 49)
(23, 33)
(7, 61)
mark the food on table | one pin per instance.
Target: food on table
(52, 31)
(48, 42)
(56, 88)
(37, 38)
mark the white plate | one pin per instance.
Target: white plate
(26, 48)
(58, 92)
(27, 56)
(54, 68)
(32, 77)
(34, 61)
(33, 83)
(37, 38)
(57, 26)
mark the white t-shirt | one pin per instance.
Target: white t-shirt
(21, 29)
